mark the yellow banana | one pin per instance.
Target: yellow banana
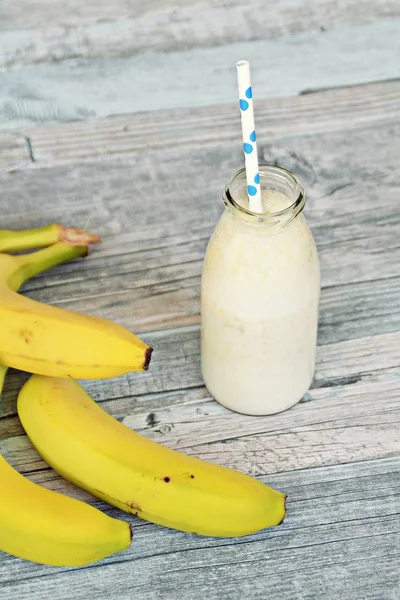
(97, 453)
(46, 527)
(48, 340)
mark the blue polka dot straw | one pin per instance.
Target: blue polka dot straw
(249, 135)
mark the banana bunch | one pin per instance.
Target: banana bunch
(15, 270)
(48, 340)
(38, 524)
(86, 445)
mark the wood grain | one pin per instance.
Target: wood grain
(76, 89)
(283, 15)
(126, 137)
(15, 152)
(340, 537)
(42, 32)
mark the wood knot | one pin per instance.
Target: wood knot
(151, 420)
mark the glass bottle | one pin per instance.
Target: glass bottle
(260, 292)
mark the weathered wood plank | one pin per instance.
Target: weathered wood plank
(349, 511)
(176, 366)
(123, 28)
(123, 137)
(15, 152)
(283, 15)
(346, 311)
(100, 87)
(351, 413)
(201, 422)
(147, 410)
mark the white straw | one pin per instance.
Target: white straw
(249, 136)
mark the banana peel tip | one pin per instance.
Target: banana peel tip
(284, 510)
(147, 358)
(77, 237)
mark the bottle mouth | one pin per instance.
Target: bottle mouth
(275, 179)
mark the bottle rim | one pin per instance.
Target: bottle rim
(271, 175)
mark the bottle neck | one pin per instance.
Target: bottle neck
(282, 197)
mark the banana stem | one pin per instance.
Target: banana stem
(29, 265)
(26, 239)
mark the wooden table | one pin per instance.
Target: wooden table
(122, 117)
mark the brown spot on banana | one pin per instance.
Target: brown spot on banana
(135, 508)
(27, 335)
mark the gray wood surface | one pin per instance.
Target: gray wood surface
(201, 76)
(127, 136)
(121, 28)
(283, 15)
(341, 536)
(98, 131)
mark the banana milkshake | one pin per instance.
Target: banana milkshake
(259, 298)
